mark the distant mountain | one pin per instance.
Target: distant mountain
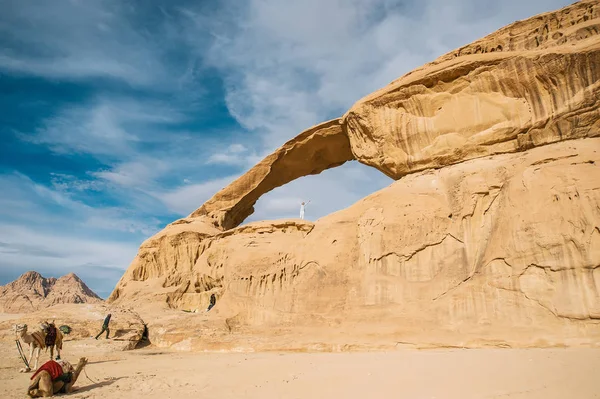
(32, 291)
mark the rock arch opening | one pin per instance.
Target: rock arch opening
(322, 147)
(330, 191)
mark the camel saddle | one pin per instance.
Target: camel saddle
(51, 335)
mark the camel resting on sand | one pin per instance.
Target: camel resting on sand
(43, 385)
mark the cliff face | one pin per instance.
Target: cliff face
(31, 292)
(500, 244)
(532, 83)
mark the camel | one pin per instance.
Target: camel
(57, 341)
(37, 341)
(42, 384)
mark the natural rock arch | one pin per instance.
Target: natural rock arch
(321, 147)
(449, 111)
(501, 250)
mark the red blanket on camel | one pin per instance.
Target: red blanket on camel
(53, 368)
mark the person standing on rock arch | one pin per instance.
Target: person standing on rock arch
(302, 205)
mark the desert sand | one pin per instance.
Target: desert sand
(440, 374)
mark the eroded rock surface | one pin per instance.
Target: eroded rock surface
(532, 83)
(504, 249)
(499, 244)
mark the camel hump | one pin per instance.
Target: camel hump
(39, 339)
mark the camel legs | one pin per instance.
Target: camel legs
(32, 350)
(41, 386)
(58, 344)
(37, 357)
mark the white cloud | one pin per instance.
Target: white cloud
(73, 67)
(235, 154)
(52, 250)
(236, 148)
(32, 204)
(185, 199)
(147, 156)
(65, 182)
(86, 39)
(224, 158)
(138, 173)
(104, 127)
(289, 65)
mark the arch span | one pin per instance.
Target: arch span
(321, 147)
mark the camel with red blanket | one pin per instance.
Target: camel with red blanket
(55, 377)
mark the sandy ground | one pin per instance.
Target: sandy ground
(10, 316)
(440, 374)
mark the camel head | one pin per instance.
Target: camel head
(21, 328)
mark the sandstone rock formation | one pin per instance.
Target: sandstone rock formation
(31, 292)
(532, 83)
(498, 244)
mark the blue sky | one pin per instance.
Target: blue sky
(120, 116)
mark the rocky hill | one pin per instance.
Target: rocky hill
(489, 236)
(31, 292)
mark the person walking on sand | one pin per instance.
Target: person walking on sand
(105, 327)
